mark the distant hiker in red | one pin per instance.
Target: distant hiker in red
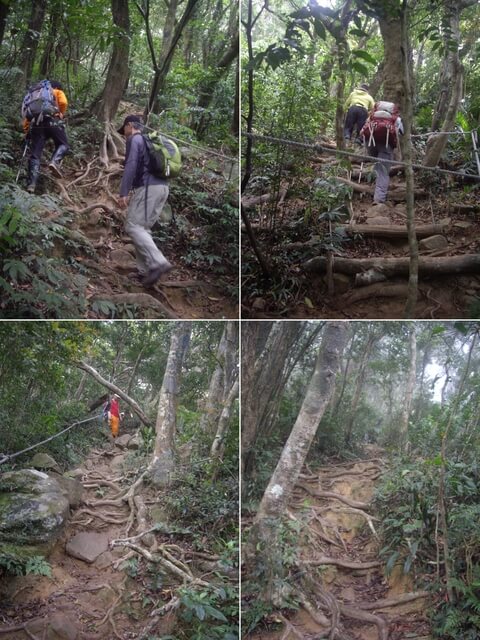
(112, 412)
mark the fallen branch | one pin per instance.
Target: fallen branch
(394, 231)
(398, 266)
(97, 205)
(252, 201)
(395, 195)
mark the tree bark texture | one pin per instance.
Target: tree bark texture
(275, 499)
(162, 464)
(105, 107)
(218, 445)
(4, 10)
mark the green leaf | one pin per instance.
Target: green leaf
(320, 29)
(361, 68)
(358, 32)
(391, 562)
(309, 303)
(360, 53)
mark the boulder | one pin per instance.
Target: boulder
(44, 461)
(72, 489)
(87, 545)
(33, 511)
(433, 242)
(135, 442)
(376, 210)
(122, 441)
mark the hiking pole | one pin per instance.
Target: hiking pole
(27, 143)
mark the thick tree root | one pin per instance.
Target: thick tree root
(330, 494)
(392, 602)
(346, 564)
(363, 616)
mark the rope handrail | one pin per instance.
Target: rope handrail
(357, 156)
(5, 457)
(195, 146)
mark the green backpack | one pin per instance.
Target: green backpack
(165, 160)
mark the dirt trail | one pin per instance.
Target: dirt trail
(342, 539)
(85, 600)
(192, 290)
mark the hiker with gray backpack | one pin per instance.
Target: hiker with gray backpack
(151, 160)
(381, 133)
(43, 113)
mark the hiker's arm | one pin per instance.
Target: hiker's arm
(61, 101)
(131, 164)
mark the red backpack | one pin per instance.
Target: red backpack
(380, 127)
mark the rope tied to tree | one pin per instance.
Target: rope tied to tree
(5, 457)
(356, 156)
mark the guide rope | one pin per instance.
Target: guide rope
(357, 156)
(4, 457)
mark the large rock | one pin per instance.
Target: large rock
(33, 511)
(44, 461)
(72, 489)
(123, 441)
(57, 627)
(122, 259)
(379, 220)
(87, 545)
(433, 242)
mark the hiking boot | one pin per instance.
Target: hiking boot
(156, 273)
(33, 173)
(57, 158)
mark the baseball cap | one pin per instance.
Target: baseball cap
(130, 118)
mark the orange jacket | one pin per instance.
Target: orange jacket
(62, 103)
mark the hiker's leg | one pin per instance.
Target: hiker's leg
(382, 170)
(138, 228)
(114, 424)
(362, 115)
(349, 123)
(59, 137)
(37, 143)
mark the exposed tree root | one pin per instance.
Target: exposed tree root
(363, 616)
(330, 494)
(144, 300)
(392, 602)
(97, 205)
(346, 564)
(359, 512)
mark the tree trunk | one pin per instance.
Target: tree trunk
(361, 378)
(105, 106)
(219, 382)
(4, 10)
(161, 72)
(32, 38)
(263, 545)
(406, 145)
(260, 375)
(409, 387)
(162, 465)
(130, 401)
(218, 445)
(48, 58)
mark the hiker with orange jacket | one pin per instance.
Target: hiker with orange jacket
(43, 110)
(112, 412)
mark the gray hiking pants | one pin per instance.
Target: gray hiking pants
(138, 225)
(382, 169)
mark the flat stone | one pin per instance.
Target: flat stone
(87, 545)
(122, 259)
(376, 210)
(463, 224)
(135, 442)
(433, 242)
(380, 220)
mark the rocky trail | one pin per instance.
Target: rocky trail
(106, 256)
(96, 590)
(349, 597)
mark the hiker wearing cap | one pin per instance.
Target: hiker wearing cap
(47, 124)
(357, 106)
(148, 197)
